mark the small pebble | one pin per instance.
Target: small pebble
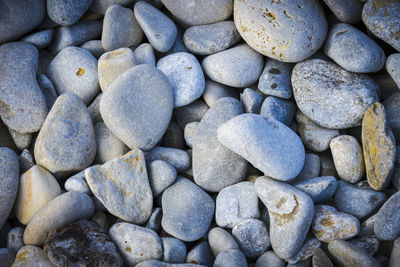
(108, 145)
(15, 239)
(311, 167)
(174, 250)
(161, 176)
(306, 251)
(346, 254)
(214, 91)
(387, 221)
(275, 79)
(32, 256)
(94, 47)
(25, 161)
(251, 101)
(94, 109)
(48, 90)
(269, 258)
(178, 158)
(77, 183)
(320, 189)
(21, 140)
(144, 54)
(278, 109)
(39, 39)
(220, 240)
(190, 133)
(392, 63)
(228, 258)
(370, 244)
(320, 259)
(200, 254)
(348, 11)
(154, 222)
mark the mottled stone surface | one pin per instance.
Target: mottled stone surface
(320, 259)
(233, 257)
(392, 67)
(108, 145)
(214, 91)
(346, 254)
(320, 189)
(15, 239)
(32, 256)
(387, 221)
(347, 11)
(251, 101)
(200, 254)
(306, 251)
(67, 12)
(178, 158)
(221, 240)
(40, 39)
(275, 79)
(174, 250)
(269, 258)
(279, 109)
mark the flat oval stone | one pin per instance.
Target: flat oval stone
(161, 176)
(232, 257)
(331, 96)
(275, 79)
(379, 147)
(67, 12)
(122, 186)
(187, 210)
(178, 158)
(267, 144)
(9, 180)
(185, 76)
(278, 109)
(392, 67)
(198, 12)
(320, 189)
(239, 66)
(353, 50)
(19, 88)
(286, 31)
(64, 209)
(221, 240)
(32, 256)
(347, 254)
(214, 165)
(40, 39)
(66, 143)
(347, 11)
(108, 145)
(387, 222)
(145, 92)
(290, 211)
(77, 182)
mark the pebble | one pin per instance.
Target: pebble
(185, 76)
(158, 28)
(379, 147)
(235, 204)
(136, 243)
(154, 222)
(77, 183)
(211, 38)
(40, 39)
(66, 142)
(144, 54)
(331, 96)
(346, 254)
(314, 137)
(114, 63)
(320, 259)
(239, 66)
(395, 255)
(37, 187)
(346, 11)
(190, 133)
(108, 145)
(280, 156)
(370, 244)
(392, 108)
(122, 186)
(32, 256)
(275, 79)
(387, 222)
(94, 109)
(67, 13)
(392, 63)
(190, 113)
(178, 158)
(200, 254)
(21, 140)
(278, 109)
(214, 91)
(120, 28)
(285, 31)
(187, 210)
(327, 164)
(329, 224)
(82, 243)
(251, 101)
(214, 165)
(19, 88)
(311, 167)
(156, 263)
(320, 189)
(353, 50)
(9, 180)
(94, 47)
(174, 250)
(173, 136)
(64, 209)
(6, 256)
(19, 18)
(357, 201)
(100, 6)
(25, 161)
(306, 251)
(198, 12)
(396, 171)
(290, 211)
(74, 70)
(228, 258)
(161, 176)
(48, 90)
(382, 18)
(15, 238)
(269, 258)
(220, 240)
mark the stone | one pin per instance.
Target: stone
(6, 256)
(25, 161)
(395, 255)
(190, 113)
(144, 91)
(158, 28)
(187, 210)
(370, 244)
(108, 145)
(233, 257)
(21, 140)
(94, 109)
(122, 186)
(357, 201)
(136, 243)
(161, 176)
(320, 259)
(392, 63)
(185, 76)
(392, 108)
(190, 133)
(278, 109)
(269, 258)
(346, 11)
(314, 137)
(306, 251)
(396, 171)
(285, 31)
(331, 96)
(154, 222)
(156, 263)
(174, 250)
(311, 167)
(77, 182)
(19, 18)
(32, 256)
(379, 147)
(214, 91)
(100, 6)
(290, 211)
(48, 90)
(114, 63)
(252, 236)
(9, 180)
(251, 101)
(200, 254)
(15, 239)
(74, 70)
(382, 18)
(66, 13)
(144, 54)
(120, 28)
(220, 240)
(267, 144)
(346, 254)
(173, 136)
(19, 88)
(327, 164)
(37, 187)
(82, 243)
(320, 189)
(64, 209)
(211, 38)
(94, 47)
(214, 165)
(235, 204)
(66, 143)
(353, 50)
(40, 39)
(387, 222)
(178, 158)
(239, 66)
(275, 79)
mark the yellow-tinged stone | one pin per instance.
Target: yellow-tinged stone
(379, 146)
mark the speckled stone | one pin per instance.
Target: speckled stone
(275, 79)
(200, 254)
(269, 258)
(32, 256)
(136, 243)
(48, 90)
(144, 54)
(94, 47)
(77, 182)
(311, 167)
(280, 156)
(161, 176)
(146, 92)
(285, 31)
(346, 254)
(320, 189)
(395, 255)
(392, 108)
(21, 140)
(66, 208)
(320, 259)
(279, 109)
(66, 12)
(387, 222)
(306, 251)
(331, 96)
(382, 18)
(187, 210)
(178, 158)
(251, 101)
(23, 104)
(379, 147)
(370, 244)
(290, 211)
(392, 67)
(347, 11)
(66, 143)
(228, 258)
(40, 39)
(221, 240)
(185, 76)
(174, 250)
(15, 239)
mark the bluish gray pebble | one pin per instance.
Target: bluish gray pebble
(108, 145)
(200, 253)
(178, 158)
(190, 132)
(77, 182)
(275, 79)
(370, 244)
(190, 113)
(94, 47)
(349, 255)
(161, 176)
(392, 108)
(311, 167)
(392, 67)
(220, 240)
(21, 140)
(15, 239)
(174, 136)
(230, 258)
(174, 250)
(347, 11)
(251, 100)
(387, 222)
(25, 161)
(279, 109)
(48, 90)
(156, 263)
(7, 256)
(320, 259)
(94, 109)
(320, 189)
(66, 13)
(144, 54)
(214, 91)
(269, 258)
(39, 39)
(306, 251)
(100, 6)
(178, 46)
(154, 222)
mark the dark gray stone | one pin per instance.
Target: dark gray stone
(275, 79)
(65, 12)
(278, 109)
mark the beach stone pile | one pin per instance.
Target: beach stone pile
(184, 133)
